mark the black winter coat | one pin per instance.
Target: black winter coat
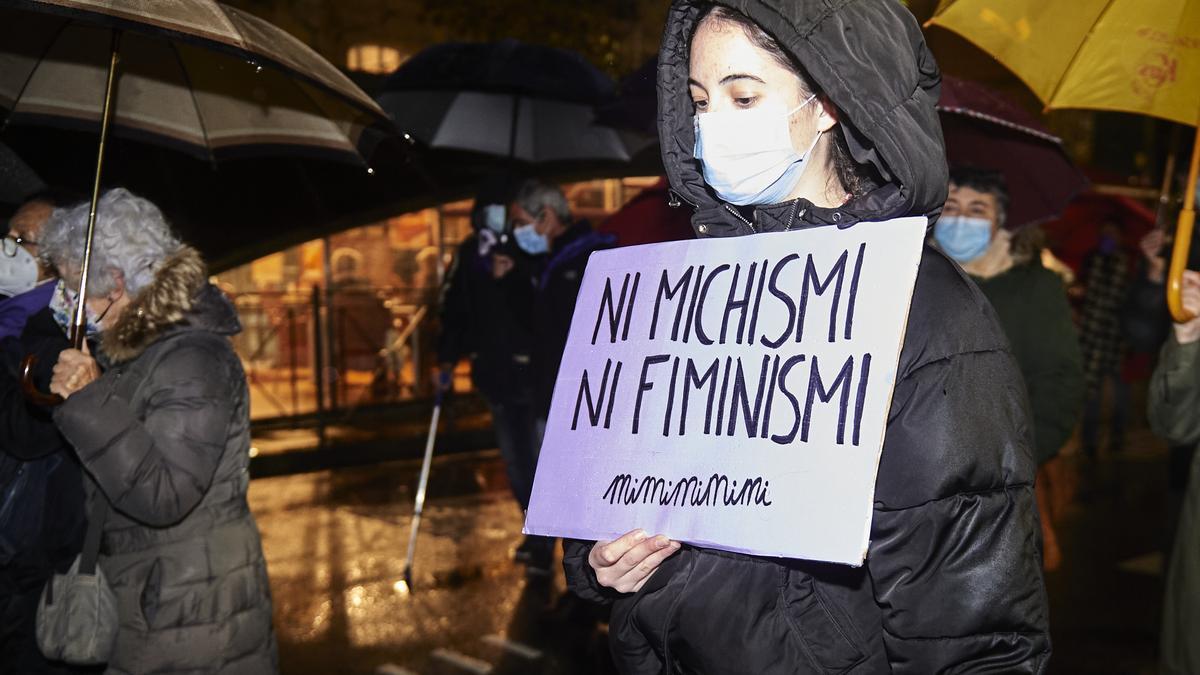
(557, 282)
(164, 435)
(27, 432)
(51, 511)
(952, 581)
(489, 321)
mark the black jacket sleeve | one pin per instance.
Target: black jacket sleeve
(954, 559)
(581, 578)
(27, 431)
(455, 308)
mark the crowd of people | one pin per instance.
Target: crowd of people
(128, 448)
(765, 129)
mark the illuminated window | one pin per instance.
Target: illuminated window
(376, 59)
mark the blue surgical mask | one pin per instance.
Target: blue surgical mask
(748, 156)
(963, 238)
(1108, 244)
(530, 240)
(494, 218)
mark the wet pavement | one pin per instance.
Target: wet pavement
(335, 543)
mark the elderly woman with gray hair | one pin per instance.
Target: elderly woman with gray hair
(160, 421)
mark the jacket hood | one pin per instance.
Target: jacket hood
(179, 298)
(870, 58)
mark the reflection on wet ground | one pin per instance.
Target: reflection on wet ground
(335, 544)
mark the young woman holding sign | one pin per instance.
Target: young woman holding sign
(790, 114)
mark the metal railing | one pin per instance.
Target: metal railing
(316, 358)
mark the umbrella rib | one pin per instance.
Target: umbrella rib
(1078, 50)
(967, 112)
(38, 64)
(187, 80)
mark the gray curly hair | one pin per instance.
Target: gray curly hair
(132, 238)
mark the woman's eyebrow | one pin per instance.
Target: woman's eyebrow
(694, 83)
(741, 76)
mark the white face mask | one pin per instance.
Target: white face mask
(495, 218)
(18, 272)
(748, 156)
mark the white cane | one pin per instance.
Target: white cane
(419, 506)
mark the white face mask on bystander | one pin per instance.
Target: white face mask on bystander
(18, 270)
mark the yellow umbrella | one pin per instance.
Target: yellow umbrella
(1136, 56)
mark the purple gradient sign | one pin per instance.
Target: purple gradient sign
(731, 393)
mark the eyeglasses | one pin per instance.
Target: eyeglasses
(11, 243)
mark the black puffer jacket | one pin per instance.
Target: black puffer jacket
(164, 436)
(952, 580)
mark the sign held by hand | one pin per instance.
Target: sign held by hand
(731, 393)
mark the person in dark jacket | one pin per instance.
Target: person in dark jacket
(164, 435)
(1031, 303)
(41, 482)
(1174, 414)
(1146, 326)
(543, 226)
(1105, 279)
(952, 580)
(486, 316)
(555, 250)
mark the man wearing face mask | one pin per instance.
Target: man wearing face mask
(1032, 306)
(486, 317)
(559, 247)
(41, 482)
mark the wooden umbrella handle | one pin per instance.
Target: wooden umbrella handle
(1183, 241)
(30, 389)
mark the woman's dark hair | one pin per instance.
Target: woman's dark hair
(854, 177)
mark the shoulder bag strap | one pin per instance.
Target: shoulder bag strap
(95, 528)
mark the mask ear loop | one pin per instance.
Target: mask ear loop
(800, 107)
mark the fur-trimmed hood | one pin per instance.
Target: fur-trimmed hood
(179, 298)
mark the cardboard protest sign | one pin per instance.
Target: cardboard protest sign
(731, 393)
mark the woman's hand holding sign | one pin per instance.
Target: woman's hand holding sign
(626, 563)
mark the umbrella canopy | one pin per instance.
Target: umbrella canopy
(649, 218)
(505, 99)
(241, 209)
(18, 181)
(986, 130)
(1137, 56)
(194, 74)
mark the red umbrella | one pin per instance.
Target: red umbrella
(986, 130)
(1077, 232)
(649, 218)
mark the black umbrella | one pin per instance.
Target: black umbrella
(17, 181)
(191, 75)
(240, 209)
(505, 99)
(244, 136)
